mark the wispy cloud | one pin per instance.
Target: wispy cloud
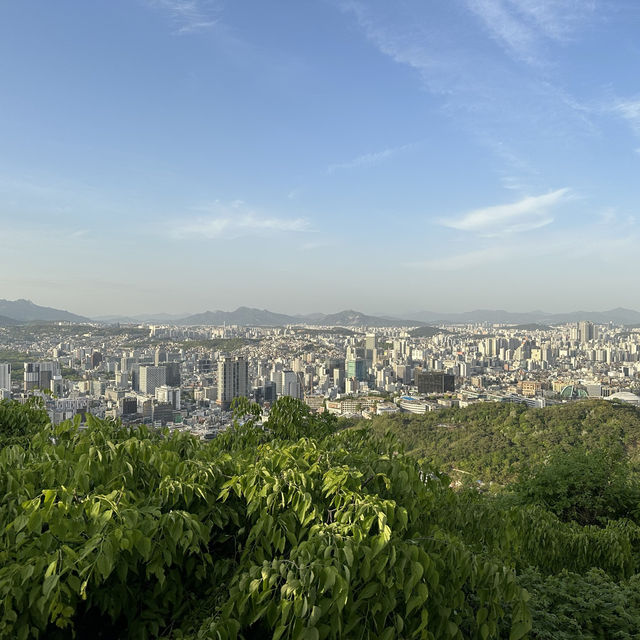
(505, 27)
(190, 15)
(234, 220)
(478, 87)
(369, 159)
(522, 27)
(630, 111)
(409, 49)
(526, 214)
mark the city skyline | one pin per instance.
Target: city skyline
(184, 155)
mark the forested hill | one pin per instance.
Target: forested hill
(300, 528)
(495, 442)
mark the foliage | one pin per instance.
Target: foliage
(530, 536)
(16, 359)
(292, 526)
(18, 422)
(428, 332)
(570, 606)
(495, 442)
(582, 486)
(287, 529)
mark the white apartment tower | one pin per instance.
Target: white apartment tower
(5, 376)
(290, 384)
(169, 395)
(233, 380)
(151, 378)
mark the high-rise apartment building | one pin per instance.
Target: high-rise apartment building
(95, 359)
(290, 384)
(122, 380)
(173, 373)
(356, 368)
(233, 380)
(5, 376)
(165, 393)
(38, 375)
(587, 331)
(370, 345)
(151, 378)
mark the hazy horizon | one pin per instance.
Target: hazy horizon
(400, 314)
(203, 154)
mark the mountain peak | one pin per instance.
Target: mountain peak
(26, 311)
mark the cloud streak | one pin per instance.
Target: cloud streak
(526, 214)
(369, 159)
(480, 89)
(235, 221)
(522, 27)
(630, 111)
(189, 15)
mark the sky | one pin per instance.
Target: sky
(317, 155)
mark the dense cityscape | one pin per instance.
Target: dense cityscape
(318, 320)
(187, 377)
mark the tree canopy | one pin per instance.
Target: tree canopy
(292, 527)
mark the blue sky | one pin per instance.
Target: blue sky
(182, 155)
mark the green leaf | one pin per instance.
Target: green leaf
(519, 630)
(49, 583)
(51, 569)
(348, 554)
(369, 590)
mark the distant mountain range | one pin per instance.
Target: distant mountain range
(617, 316)
(250, 317)
(24, 311)
(246, 316)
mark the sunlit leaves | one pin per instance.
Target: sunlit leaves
(287, 529)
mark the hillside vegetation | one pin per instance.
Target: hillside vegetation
(301, 529)
(495, 442)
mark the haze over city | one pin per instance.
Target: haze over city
(184, 155)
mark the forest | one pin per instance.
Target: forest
(301, 526)
(494, 442)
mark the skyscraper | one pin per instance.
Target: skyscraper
(370, 345)
(151, 378)
(173, 373)
(356, 368)
(586, 331)
(5, 376)
(233, 380)
(38, 375)
(290, 384)
(165, 393)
